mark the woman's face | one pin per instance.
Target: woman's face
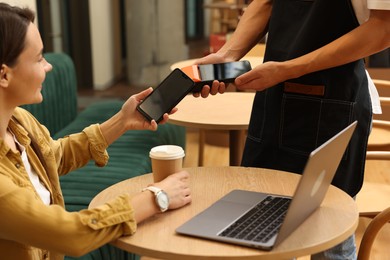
(29, 72)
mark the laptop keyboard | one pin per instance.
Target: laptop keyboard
(260, 223)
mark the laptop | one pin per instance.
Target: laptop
(262, 220)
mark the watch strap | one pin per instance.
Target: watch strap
(156, 191)
(153, 189)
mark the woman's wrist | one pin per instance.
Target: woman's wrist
(144, 206)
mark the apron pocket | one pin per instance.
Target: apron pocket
(307, 122)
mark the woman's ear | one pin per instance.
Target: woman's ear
(4, 76)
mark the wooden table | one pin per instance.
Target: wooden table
(331, 224)
(230, 111)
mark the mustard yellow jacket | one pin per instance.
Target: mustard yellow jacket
(29, 229)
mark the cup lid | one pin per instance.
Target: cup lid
(166, 152)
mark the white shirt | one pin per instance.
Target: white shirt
(42, 191)
(362, 10)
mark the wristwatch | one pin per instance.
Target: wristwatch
(161, 197)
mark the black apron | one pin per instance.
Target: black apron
(291, 119)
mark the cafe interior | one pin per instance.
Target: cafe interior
(120, 47)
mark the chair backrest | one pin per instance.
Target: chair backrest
(371, 233)
(372, 200)
(377, 161)
(59, 106)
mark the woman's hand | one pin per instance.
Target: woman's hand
(177, 188)
(134, 119)
(128, 118)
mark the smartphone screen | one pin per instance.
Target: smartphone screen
(225, 72)
(166, 95)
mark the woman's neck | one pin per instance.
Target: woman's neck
(9, 139)
(5, 116)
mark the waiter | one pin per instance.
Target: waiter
(312, 84)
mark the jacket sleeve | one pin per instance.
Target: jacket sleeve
(70, 152)
(76, 150)
(24, 218)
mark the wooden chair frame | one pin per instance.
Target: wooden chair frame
(378, 148)
(371, 233)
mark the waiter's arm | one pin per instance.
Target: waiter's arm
(369, 38)
(253, 26)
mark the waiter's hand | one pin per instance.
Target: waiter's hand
(263, 76)
(216, 87)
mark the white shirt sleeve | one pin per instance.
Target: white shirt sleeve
(378, 4)
(375, 102)
(362, 8)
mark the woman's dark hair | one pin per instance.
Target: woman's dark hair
(14, 22)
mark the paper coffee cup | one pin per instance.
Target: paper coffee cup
(166, 159)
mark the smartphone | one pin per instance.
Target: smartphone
(225, 72)
(166, 95)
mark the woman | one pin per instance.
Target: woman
(311, 85)
(34, 223)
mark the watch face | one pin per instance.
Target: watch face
(163, 200)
